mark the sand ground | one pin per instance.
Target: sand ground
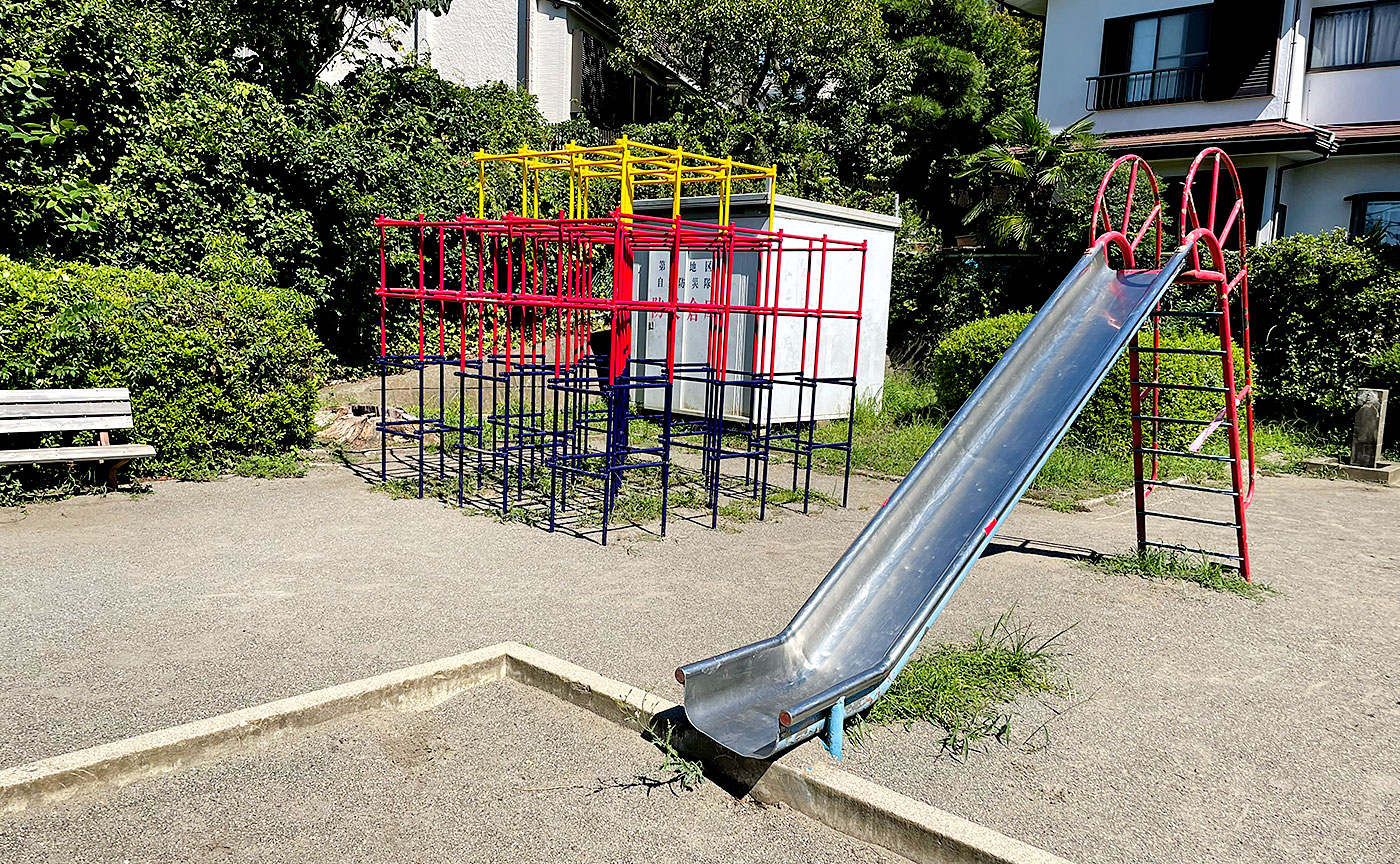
(1204, 727)
(503, 773)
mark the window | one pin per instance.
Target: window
(1153, 59)
(1356, 36)
(610, 98)
(1376, 213)
(1251, 184)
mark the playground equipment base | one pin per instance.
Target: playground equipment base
(819, 790)
(1385, 473)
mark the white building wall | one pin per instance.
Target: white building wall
(1072, 52)
(474, 43)
(1352, 96)
(552, 61)
(1315, 194)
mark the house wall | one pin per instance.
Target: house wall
(1315, 193)
(474, 43)
(553, 61)
(1073, 46)
(479, 43)
(1072, 51)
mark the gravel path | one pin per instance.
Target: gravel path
(1214, 729)
(502, 773)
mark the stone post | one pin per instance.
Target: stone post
(1368, 430)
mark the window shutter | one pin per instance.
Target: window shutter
(1117, 45)
(1244, 38)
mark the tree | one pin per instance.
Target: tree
(1031, 182)
(286, 44)
(752, 51)
(970, 65)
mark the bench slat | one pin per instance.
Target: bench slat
(93, 394)
(41, 455)
(65, 409)
(64, 424)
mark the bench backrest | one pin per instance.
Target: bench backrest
(65, 410)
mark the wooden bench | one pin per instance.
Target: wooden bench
(100, 409)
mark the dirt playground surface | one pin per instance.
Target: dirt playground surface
(502, 773)
(1204, 727)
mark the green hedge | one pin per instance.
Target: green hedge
(1320, 307)
(967, 354)
(218, 368)
(1383, 371)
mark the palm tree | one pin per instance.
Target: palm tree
(1025, 171)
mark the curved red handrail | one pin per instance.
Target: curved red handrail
(1135, 165)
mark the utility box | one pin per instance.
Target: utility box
(841, 283)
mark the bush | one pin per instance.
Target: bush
(967, 354)
(217, 368)
(1320, 306)
(1383, 371)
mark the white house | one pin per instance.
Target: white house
(556, 49)
(1303, 94)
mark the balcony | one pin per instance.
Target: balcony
(1151, 87)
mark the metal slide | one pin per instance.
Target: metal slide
(860, 626)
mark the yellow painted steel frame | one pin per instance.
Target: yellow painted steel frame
(631, 165)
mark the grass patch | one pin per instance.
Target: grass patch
(888, 436)
(970, 691)
(272, 467)
(1168, 564)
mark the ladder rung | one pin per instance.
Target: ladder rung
(1153, 418)
(1178, 547)
(1152, 451)
(1204, 352)
(1185, 487)
(1188, 313)
(1193, 519)
(1199, 388)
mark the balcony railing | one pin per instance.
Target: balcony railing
(1152, 87)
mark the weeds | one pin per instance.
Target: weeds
(1167, 564)
(970, 691)
(272, 467)
(679, 773)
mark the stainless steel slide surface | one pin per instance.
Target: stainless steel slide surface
(873, 608)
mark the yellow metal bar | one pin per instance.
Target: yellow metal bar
(772, 196)
(481, 188)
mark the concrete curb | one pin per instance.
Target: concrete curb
(121, 762)
(821, 791)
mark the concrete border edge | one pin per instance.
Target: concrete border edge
(120, 762)
(836, 798)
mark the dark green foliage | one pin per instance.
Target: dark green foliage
(217, 369)
(934, 291)
(968, 65)
(967, 354)
(1383, 372)
(394, 141)
(1320, 307)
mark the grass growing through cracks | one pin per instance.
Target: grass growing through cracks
(1167, 564)
(969, 691)
(272, 467)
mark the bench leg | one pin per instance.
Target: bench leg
(112, 472)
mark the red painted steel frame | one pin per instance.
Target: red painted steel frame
(509, 278)
(1197, 233)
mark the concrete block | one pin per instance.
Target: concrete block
(1384, 473)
